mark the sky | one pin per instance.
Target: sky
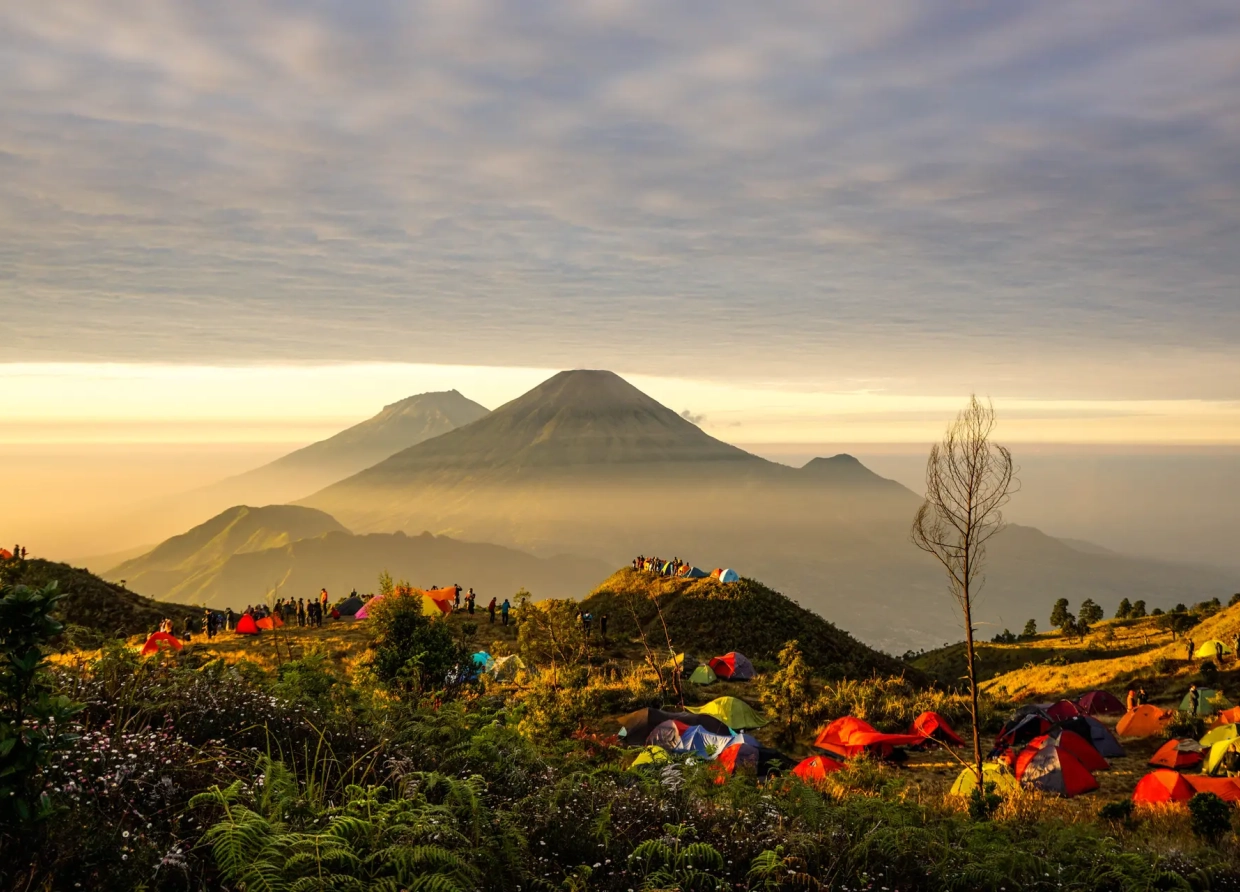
(1037, 200)
(229, 228)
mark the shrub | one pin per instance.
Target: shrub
(1119, 811)
(1186, 725)
(1138, 610)
(33, 729)
(1124, 609)
(1209, 673)
(412, 652)
(1210, 816)
(1234, 600)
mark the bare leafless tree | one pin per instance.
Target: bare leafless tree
(968, 481)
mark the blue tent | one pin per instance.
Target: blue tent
(698, 573)
(482, 660)
(698, 740)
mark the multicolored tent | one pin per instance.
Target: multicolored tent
(1165, 785)
(933, 726)
(992, 773)
(636, 726)
(705, 744)
(667, 734)
(703, 675)
(1073, 743)
(1183, 752)
(1211, 648)
(1053, 769)
(1100, 703)
(246, 625)
(734, 666)
(1144, 721)
(850, 736)
(815, 769)
(736, 714)
(158, 641)
(1204, 706)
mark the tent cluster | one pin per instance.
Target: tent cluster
(734, 666)
(435, 602)
(681, 569)
(1218, 751)
(1052, 747)
(714, 733)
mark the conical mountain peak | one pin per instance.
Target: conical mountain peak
(575, 418)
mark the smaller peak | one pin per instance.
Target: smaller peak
(842, 460)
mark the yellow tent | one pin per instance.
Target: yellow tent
(1222, 732)
(1211, 648)
(1214, 759)
(650, 755)
(992, 773)
(736, 714)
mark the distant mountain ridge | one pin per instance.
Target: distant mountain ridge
(176, 567)
(235, 559)
(587, 464)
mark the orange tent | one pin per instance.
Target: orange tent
(5, 554)
(1166, 785)
(1182, 753)
(160, 639)
(270, 622)
(1226, 717)
(1144, 721)
(815, 769)
(849, 736)
(444, 598)
(246, 625)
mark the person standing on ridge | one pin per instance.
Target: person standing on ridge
(1132, 699)
(602, 626)
(491, 610)
(1190, 648)
(1194, 698)
(456, 596)
(323, 598)
(503, 612)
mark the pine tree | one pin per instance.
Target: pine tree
(1124, 610)
(1090, 612)
(1138, 610)
(1030, 630)
(1059, 614)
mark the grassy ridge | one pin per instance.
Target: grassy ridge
(705, 619)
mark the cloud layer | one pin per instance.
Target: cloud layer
(1035, 198)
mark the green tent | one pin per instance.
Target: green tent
(736, 714)
(992, 773)
(703, 675)
(1204, 706)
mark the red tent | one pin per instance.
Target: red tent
(1182, 753)
(816, 768)
(270, 622)
(933, 726)
(1100, 703)
(1053, 769)
(1166, 785)
(1163, 786)
(733, 666)
(736, 756)
(444, 598)
(1073, 743)
(849, 736)
(157, 640)
(246, 625)
(5, 554)
(1020, 731)
(1064, 709)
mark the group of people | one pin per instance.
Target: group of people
(1136, 697)
(1191, 649)
(674, 567)
(585, 622)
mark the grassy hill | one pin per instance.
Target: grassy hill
(102, 606)
(1113, 656)
(706, 619)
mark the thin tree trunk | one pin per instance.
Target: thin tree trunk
(977, 731)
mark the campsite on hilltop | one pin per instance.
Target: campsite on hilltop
(551, 742)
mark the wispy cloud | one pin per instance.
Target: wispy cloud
(1038, 198)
